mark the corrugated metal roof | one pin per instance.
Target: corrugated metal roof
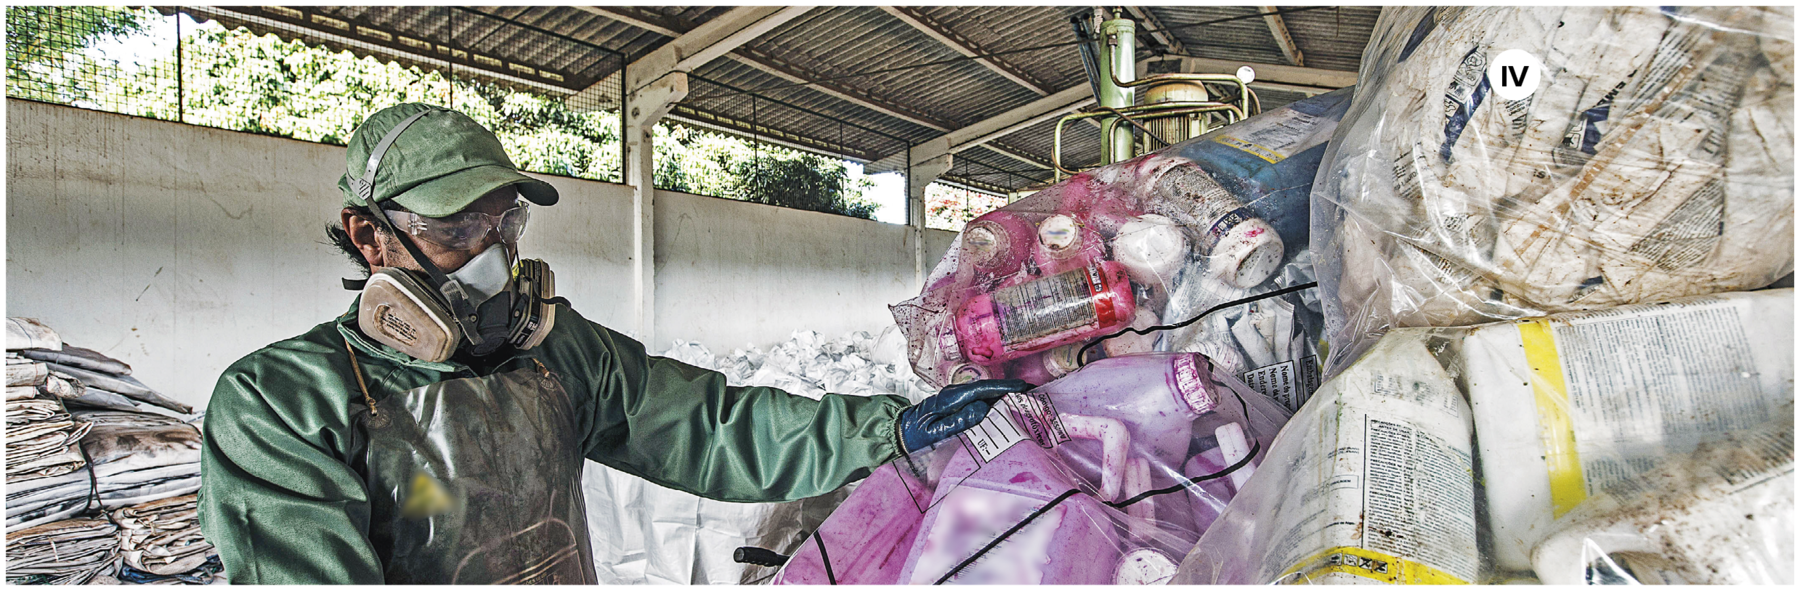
(873, 83)
(1334, 38)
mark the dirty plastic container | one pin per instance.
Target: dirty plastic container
(1239, 247)
(1065, 244)
(1153, 249)
(978, 502)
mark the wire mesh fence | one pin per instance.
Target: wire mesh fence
(315, 73)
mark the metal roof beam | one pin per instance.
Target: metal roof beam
(935, 30)
(1031, 113)
(1156, 29)
(1015, 154)
(763, 62)
(769, 64)
(636, 17)
(1272, 16)
(707, 42)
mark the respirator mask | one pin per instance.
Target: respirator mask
(489, 303)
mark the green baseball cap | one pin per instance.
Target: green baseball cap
(439, 163)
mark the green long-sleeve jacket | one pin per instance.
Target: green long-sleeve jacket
(280, 499)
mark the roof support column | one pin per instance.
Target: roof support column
(653, 84)
(643, 108)
(918, 176)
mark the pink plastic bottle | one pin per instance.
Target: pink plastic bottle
(1157, 396)
(1074, 543)
(1043, 313)
(998, 242)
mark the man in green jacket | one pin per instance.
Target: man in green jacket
(435, 432)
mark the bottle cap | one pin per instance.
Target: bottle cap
(1247, 255)
(968, 372)
(1059, 234)
(1063, 360)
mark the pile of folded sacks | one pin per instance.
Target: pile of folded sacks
(76, 447)
(68, 552)
(153, 543)
(160, 542)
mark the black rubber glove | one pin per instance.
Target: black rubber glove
(952, 410)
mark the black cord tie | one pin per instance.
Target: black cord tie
(1255, 448)
(1081, 356)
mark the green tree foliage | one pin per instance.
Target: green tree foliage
(234, 79)
(44, 49)
(706, 163)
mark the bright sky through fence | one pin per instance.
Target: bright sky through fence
(888, 190)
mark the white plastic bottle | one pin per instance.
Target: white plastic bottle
(1371, 482)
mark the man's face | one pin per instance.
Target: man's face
(388, 252)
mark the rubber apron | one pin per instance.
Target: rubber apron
(479, 481)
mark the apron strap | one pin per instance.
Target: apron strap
(357, 369)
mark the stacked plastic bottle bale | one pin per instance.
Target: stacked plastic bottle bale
(1654, 160)
(856, 364)
(1155, 240)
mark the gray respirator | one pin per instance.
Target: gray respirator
(488, 304)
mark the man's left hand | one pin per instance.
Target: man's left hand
(952, 410)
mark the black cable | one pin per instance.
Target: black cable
(1000, 53)
(1081, 356)
(1009, 532)
(823, 558)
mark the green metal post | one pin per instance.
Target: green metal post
(1120, 60)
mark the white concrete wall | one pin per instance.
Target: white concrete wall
(178, 249)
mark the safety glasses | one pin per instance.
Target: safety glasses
(467, 229)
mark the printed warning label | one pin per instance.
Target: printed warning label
(1289, 382)
(1018, 417)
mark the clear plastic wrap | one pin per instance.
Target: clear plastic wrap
(1590, 444)
(1150, 241)
(1723, 514)
(1654, 160)
(1566, 407)
(1108, 475)
(1372, 481)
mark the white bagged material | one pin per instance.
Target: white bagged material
(1653, 161)
(645, 533)
(1723, 514)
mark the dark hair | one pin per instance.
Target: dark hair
(339, 237)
